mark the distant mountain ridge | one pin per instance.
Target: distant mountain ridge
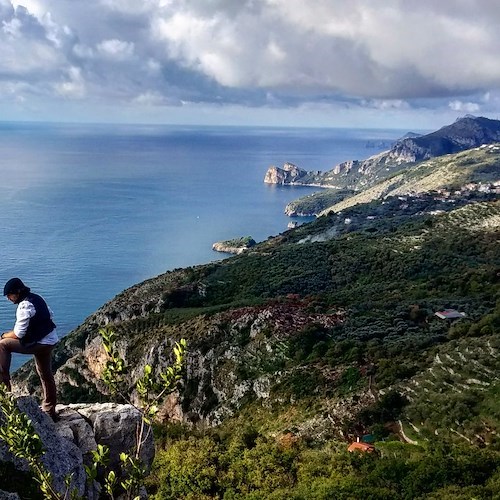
(465, 133)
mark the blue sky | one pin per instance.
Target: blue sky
(341, 63)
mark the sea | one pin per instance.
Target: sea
(90, 210)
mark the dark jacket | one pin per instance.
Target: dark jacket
(40, 324)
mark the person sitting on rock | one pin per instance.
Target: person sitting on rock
(34, 333)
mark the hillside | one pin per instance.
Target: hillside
(471, 170)
(299, 315)
(321, 335)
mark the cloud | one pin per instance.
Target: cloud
(116, 50)
(357, 48)
(28, 55)
(385, 104)
(73, 86)
(394, 55)
(467, 107)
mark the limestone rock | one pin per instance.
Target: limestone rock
(289, 174)
(110, 424)
(80, 428)
(235, 246)
(5, 495)
(62, 456)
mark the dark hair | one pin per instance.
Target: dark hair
(15, 285)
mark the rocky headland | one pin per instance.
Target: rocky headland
(466, 133)
(234, 246)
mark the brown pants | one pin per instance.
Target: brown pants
(43, 363)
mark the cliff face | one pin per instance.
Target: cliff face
(286, 175)
(291, 174)
(232, 361)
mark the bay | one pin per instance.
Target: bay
(89, 210)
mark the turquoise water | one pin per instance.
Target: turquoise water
(88, 211)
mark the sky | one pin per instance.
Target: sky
(327, 63)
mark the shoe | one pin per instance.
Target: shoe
(52, 414)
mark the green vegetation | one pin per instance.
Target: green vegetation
(389, 284)
(18, 433)
(315, 203)
(244, 242)
(441, 173)
(328, 333)
(239, 463)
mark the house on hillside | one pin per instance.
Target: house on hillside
(362, 447)
(450, 314)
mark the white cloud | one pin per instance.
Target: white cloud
(467, 107)
(393, 55)
(36, 7)
(359, 48)
(385, 104)
(12, 28)
(36, 61)
(83, 51)
(117, 50)
(74, 85)
(150, 99)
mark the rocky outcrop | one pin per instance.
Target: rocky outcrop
(80, 428)
(220, 246)
(111, 424)
(236, 246)
(286, 175)
(224, 360)
(291, 174)
(345, 167)
(62, 458)
(4, 495)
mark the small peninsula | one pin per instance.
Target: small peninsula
(235, 246)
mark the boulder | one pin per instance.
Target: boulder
(80, 428)
(62, 456)
(110, 424)
(5, 495)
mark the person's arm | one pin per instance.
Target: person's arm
(25, 310)
(9, 335)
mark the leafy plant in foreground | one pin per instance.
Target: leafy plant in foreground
(23, 441)
(151, 393)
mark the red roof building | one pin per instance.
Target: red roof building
(363, 447)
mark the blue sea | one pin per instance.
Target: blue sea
(89, 210)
